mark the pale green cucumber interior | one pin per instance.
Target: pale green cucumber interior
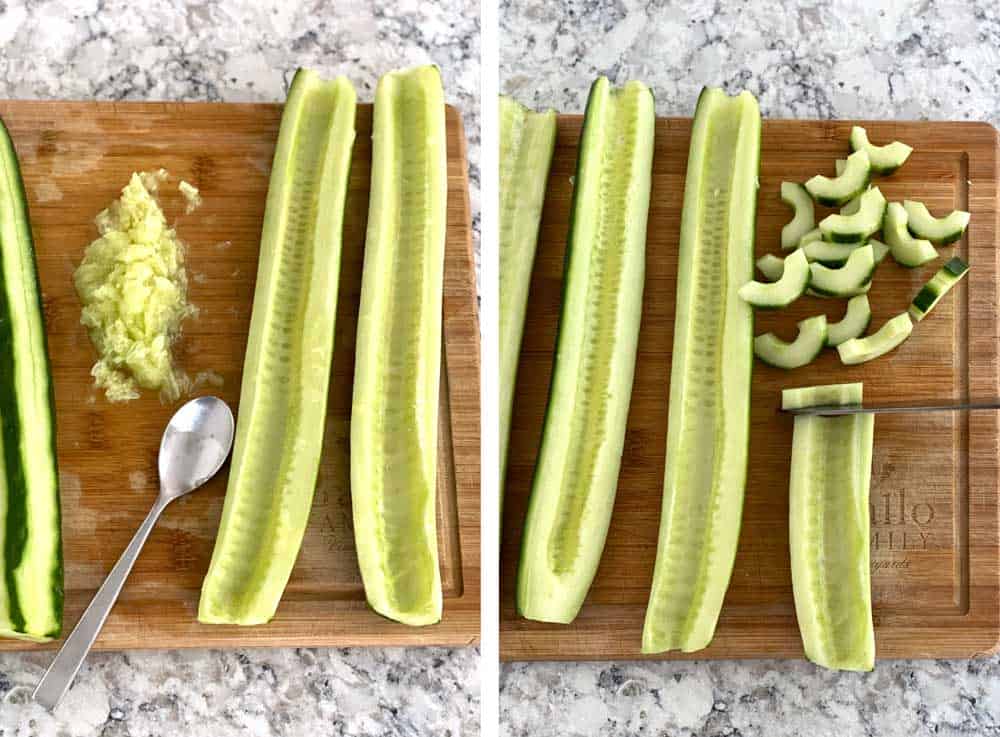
(850, 183)
(848, 277)
(853, 324)
(781, 293)
(795, 195)
(810, 340)
(811, 237)
(859, 225)
(888, 337)
(879, 250)
(771, 266)
(907, 250)
(884, 159)
(939, 231)
(939, 285)
(831, 254)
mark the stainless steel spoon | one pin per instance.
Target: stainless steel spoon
(194, 447)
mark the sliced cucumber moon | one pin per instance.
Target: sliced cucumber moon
(576, 474)
(808, 344)
(939, 231)
(795, 196)
(884, 159)
(860, 224)
(905, 249)
(789, 287)
(846, 186)
(887, 338)
(854, 323)
(846, 280)
(939, 285)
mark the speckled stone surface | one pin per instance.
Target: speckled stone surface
(241, 50)
(832, 59)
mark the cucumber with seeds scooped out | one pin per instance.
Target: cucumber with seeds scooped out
(939, 231)
(884, 159)
(887, 338)
(849, 184)
(795, 196)
(907, 250)
(789, 286)
(846, 280)
(808, 344)
(939, 285)
(859, 225)
(854, 323)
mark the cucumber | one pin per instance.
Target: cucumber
(939, 231)
(709, 415)
(576, 475)
(884, 159)
(888, 337)
(394, 412)
(879, 250)
(829, 528)
(831, 254)
(789, 287)
(31, 591)
(771, 266)
(854, 323)
(847, 185)
(844, 282)
(808, 344)
(279, 433)
(907, 250)
(811, 237)
(839, 165)
(527, 140)
(939, 285)
(863, 289)
(795, 196)
(859, 225)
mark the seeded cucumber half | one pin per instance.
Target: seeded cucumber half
(939, 231)
(884, 159)
(789, 287)
(795, 196)
(844, 281)
(828, 528)
(888, 337)
(859, 225)
(279, 433)
(527, 140)
(907, 250)
(576, 475)
(847, 185)
(808, 344)
(939, 285)
(854, 323)
(709, 412)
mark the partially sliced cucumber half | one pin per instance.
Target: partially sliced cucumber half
(771, 266)
(854, 323)
(795, 195)
(884, 159)
(907, 250)
(789, 287)
(888, 337)
(939, 231)
(845, 281)
(931, 293)
(859, 225)
(850, 183)
(808, 344)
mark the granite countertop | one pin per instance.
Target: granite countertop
(842, 59)
(241, 50)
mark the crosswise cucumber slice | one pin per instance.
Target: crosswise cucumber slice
(854, 323)
(811, 237)
(907, 250)
(939, 231)
(795, 196)
(771, 266)
(709, 415)
(888, 337)
(576, 475)
(859, 225)
(843, 282)
(808, 344)
(830, 254)
(848, 184)
(879, 250)
(781, 293)
(939, 285)
(282, 410)
(884, 159)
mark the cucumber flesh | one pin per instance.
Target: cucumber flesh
(789, 287)
(808, 344)
(839, 165)
(831, 254)
(879, 250)
(849, 184)
(907, 250)
(854, 323)
(709, 413)
(576, 475)
(939, 231)
(888, 337)
(829, 528)
(858, 226)
(795, 196)
(884, 159)
(279, 434)
(939, 285)
(844, 281)
(771, 266)
(811, 237)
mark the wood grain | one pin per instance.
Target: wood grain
(75, 157)
(934, 501)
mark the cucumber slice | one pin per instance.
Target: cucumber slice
(850, 183)
(829, 526)
(884, 159)
(939, 285)
(31, 589)
(844, 282)
(709, 416)
(854, 323)
(808, 344)
(811, 237)
(781, 293)
(839, 165)
(888, 337)
(795, 196)
(527, 140)
(879, 250)
(907, 250)
(279, 434)
(576, 476)
(939, 231)
(771, 266)
(859, 225)
(831, 254)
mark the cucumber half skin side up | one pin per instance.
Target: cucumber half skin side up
(31, 593)
(709, 413)
(576, 474)
(394, 413)
(282, 410)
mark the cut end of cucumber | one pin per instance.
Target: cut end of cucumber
(807, 345)
(781, 293)
(939, 231)
(887, 338)
(939, 285)
(884, 159)
(838, 191)
(907, 250)
(821, 396)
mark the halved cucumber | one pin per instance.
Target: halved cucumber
(781, 293)
(576, 475)
(854, 323)
(850, 183)
(939, 231)
(888, 337)
(795, 196)
(808, 344)
(771, 266)
(884, 159)
(279, 435)
(858, 226)
(907, 250)
(843, 282)
(709, 415)
(931, 293)
(828, 528)
(31, 585)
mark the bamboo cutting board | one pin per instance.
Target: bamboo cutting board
(75, 157)
(934, 491)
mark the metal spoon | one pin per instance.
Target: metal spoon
(194, 446)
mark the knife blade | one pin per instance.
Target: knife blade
(895, 408)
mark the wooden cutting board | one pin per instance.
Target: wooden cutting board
(75, 158)
(934, 501)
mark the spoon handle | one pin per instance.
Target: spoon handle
(64, 667)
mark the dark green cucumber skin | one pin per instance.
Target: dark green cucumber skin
(941, 241)
(956, 267)
(926, 297)
(17, 492)
(845, 238)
